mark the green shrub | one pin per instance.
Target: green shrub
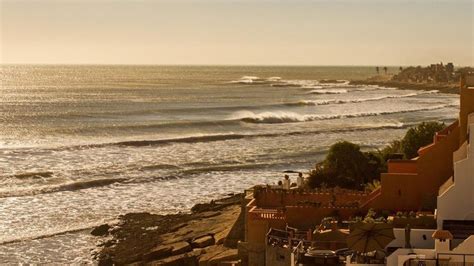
(419, 136)
(346, 166)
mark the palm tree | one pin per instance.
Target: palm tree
(385, 69)
(400, 68)
(377, 69)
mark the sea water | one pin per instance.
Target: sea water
(80, 145)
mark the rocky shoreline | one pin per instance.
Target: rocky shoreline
(386, 81)
(206, 236)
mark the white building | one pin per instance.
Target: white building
(454, 239)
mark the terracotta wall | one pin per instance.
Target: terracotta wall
(308, 217)
(404, 191)
(301, 217)
(257, 229)
(281, 198)
(402, 166)
(436, 165)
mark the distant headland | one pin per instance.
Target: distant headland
(442, 77)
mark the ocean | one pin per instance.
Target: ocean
(82, 144)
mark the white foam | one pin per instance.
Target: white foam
(290, 117)
(336, 101)
(274, 78)
(249, 80)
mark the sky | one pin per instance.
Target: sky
(219, 32)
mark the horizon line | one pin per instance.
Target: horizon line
(220, 65)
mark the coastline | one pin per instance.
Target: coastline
(386, 81)
(208, 233)
(205, 236)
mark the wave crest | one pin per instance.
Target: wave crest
(335, 101)
(72, 186)
(290, 117)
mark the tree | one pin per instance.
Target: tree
(395, 147)
(385, 69)
(377, 69)
(375, 165)
(419, 136)
(346, 166)
(347, 161)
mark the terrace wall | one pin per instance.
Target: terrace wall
(414, 184)
(274, 198)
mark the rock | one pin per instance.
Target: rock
(105, 261)
(186, 259)
(135, 264)
(203, 241)
(137, 234)
(236, 233)
(220, 241)
(101, 230)
(210, 252)
(180, 248)
(200, 251)
(202, 207)
(158, 253)
(228, 255)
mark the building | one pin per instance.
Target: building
(441, 177)
(454, 237)
(269, 208)
(414, 184)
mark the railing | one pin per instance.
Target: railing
(266, 214)
(298, 242)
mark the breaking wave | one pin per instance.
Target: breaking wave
(289, 117)
(245, 116)
(335, 101)
(279, 82)
(71, 186)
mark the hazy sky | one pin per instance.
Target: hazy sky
(285, 32)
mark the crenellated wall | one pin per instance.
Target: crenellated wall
(275, 198)
(277, 208)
